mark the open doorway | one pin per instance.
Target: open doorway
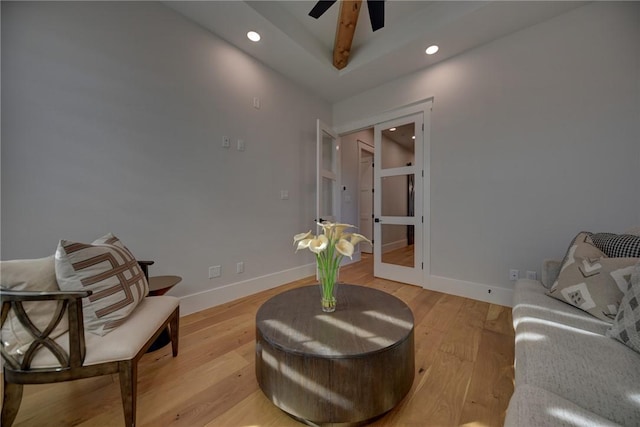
(357, 156)
(401, 194)
(394, 254)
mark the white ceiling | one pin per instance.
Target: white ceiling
(300, 47)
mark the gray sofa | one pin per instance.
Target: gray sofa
(567, 372)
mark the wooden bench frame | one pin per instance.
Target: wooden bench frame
(17, 373)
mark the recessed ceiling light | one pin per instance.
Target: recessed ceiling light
(392, 129)
(253, 36)
(432, 49)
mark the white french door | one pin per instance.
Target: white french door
(328, 174)
(398, 199)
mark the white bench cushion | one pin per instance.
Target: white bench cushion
(122, 343)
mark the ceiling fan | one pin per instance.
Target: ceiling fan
(347, 21)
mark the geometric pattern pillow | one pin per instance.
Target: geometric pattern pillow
(591, 281)
(617, 245)
(110, 270)
(581, 246)
(626, 326)
(34, 275)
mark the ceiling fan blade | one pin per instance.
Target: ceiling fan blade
(376, 13)
(321, 7)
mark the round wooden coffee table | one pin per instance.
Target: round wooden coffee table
(347, 367)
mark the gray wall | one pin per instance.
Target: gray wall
(113, 115)
(534, 137)
(112, 120)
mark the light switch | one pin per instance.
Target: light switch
(241, 145)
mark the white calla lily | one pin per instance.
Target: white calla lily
(326, 228)
(356, 238)
(318, 244)
(301, 236)
(330, 247)
(338, 230)
(345, 247)
(303, 244)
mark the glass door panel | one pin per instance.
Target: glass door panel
(398, 146)
(327, 180)
(398, 200)
(397, 195)
(395, 245)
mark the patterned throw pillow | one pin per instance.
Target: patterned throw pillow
(626, 326)
(585, 247)
(591, 281)
(617, 245)
(107, 268)
(36, 275)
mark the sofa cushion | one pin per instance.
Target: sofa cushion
(110, 270)
(591, 281)
(532, 406)
(36, 275)
(633, 230)
(617, 245)
(531, 302)
(626, 327)
(589, 369)
(550, 271)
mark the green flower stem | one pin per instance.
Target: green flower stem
(328, 264)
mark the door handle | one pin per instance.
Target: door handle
(377, 220)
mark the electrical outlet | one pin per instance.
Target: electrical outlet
(532, 275)
(240, 267)
(226, 142)
(514, 274)
(215, 271)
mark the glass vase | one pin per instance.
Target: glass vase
(328, 289)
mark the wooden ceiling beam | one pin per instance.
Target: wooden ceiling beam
(346, 28)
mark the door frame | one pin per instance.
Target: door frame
(425, 106)
(363, 146)
(323, 172)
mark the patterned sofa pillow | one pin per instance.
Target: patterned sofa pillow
(591, 281)
(626, 326)
(617, 245)
(110, 270)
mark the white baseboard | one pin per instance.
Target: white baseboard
(212, 297)
(478, 291)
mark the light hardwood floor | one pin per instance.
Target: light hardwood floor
(463, 356)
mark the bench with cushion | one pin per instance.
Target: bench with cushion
(83, 313)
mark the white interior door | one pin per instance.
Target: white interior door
(328, 174)
(398, 205)
(366, 195)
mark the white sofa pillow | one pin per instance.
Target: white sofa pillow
(36, 275)
(108, 269)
